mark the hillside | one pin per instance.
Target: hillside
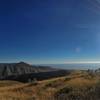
(20, 68)
(78, 85)
(23, 72)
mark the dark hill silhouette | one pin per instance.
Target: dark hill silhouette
(23, 72)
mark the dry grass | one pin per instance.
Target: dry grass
(46, 90)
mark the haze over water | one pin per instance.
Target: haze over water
(83, 66)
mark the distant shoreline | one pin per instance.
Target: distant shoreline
(80, 66)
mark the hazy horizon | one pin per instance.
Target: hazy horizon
(75, 66)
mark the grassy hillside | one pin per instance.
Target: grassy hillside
(78, 85)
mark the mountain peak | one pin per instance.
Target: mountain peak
(21, 62)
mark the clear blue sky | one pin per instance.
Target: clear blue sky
(49, 31)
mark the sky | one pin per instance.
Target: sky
(50, 31)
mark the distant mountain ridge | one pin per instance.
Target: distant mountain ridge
(9, 69)
(23, 72)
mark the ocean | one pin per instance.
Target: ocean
(84, 66)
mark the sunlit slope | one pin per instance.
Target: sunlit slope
(74, 85)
